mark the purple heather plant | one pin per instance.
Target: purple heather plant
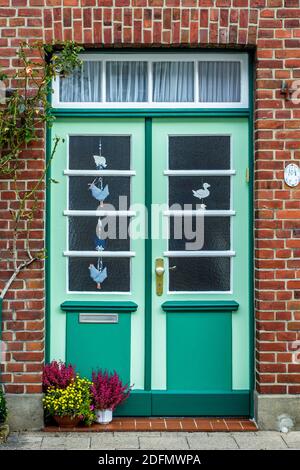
(108, 390)
(57, 375)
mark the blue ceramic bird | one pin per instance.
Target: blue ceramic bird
(99, 194)
(98, 276)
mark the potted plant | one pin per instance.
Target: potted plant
(71, 405)
(67, 396)
(4, 429)
(108, 392)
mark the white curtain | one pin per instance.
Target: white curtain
(126, 81)
(83, 85)
(173, 81)
(219, 81)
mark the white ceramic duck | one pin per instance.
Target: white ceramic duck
(202, 193)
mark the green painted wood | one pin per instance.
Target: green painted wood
(137, 404)
(59, 293)
(200, 306)
(98, 345)
(148, 254)
(47, 243)
(165, 403)
(197, 345)
(109, 307)
(251, 59)
(237, 127)
(201, 404)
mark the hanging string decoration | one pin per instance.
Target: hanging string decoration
(99, 192)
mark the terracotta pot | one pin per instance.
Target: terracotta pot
(103, 416)
(67, 421)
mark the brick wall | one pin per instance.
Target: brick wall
(273, 28)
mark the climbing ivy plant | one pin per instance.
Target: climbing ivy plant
(24, 111)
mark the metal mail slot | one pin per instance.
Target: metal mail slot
(98, 318)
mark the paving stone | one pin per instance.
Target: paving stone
(218, 440)
(71, 443)
(163, 443)
(153, 440)
(138, 434)
(292, 439)
(263, 440)
(104, 441)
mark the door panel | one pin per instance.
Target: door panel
(195, 345)
(199, 334)
(202, 351)
(75, 245)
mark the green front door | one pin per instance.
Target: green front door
(200, 322)
(168, 306)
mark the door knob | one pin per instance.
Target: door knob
(159, 275)
(159, 270)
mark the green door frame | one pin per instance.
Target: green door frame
(142, 397)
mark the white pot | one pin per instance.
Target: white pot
(103, 416)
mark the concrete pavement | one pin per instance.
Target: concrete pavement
(153, 440)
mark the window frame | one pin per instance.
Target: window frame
(194, 57)
(67, 213)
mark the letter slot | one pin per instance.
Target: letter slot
(98, 318)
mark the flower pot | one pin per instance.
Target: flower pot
(67, 421)
(103, 416)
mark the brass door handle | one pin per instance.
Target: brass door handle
(159, 275)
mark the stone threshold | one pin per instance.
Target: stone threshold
(165, 424)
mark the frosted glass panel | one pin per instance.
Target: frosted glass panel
(199, 274)
(219, 81)
(84, 84)
(114, 148)
(126, 81)
(197, 152)
(173, 81)
(216, 233)
(213, 191)
(81, 198)
(82, 233)
(118, 275)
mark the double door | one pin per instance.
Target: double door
(149, 259)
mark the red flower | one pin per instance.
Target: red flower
(57, 375)
(108, 390)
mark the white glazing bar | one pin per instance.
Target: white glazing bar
(199, 172)
(99, 172)
(203, 213)
(100, 213)
(150, 82)
(196, 84)
(198, 254)
(103, 82)
(99, 254)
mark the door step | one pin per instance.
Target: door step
(166, 424)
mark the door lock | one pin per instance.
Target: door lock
(159, 275)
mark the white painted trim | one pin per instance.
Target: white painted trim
(203, 213)
(194, 57)
(199, 172)
(100, 213)
(198, 254)
(99, 173)
(99, 254)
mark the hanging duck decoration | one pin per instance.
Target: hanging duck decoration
(202, 194)
(99, 193)
(98, 273)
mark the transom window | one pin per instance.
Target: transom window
(198, 80)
